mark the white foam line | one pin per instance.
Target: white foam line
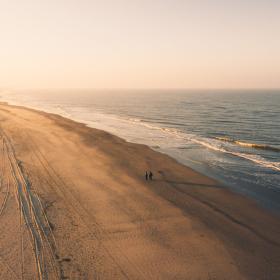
(259, 160)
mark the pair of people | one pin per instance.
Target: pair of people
(149, 175)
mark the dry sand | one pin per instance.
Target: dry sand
(74, 204)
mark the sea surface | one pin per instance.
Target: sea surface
(230, 135)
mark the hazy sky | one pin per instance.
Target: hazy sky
(139, 43)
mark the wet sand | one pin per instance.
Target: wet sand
(74, 204)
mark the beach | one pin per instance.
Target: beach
(75, 205)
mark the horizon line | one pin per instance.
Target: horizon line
(142, 88)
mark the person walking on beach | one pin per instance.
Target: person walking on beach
(146, 175)
(151, 175)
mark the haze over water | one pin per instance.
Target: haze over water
(233, 136)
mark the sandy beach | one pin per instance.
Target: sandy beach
(74, 204)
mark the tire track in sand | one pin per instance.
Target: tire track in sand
(6, 181)
(7, 191)
(35, 218)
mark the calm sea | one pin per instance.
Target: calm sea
(233, 136)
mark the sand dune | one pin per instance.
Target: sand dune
(74, 204)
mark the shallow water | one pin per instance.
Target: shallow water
(233, 136)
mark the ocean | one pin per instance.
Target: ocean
(230, 135)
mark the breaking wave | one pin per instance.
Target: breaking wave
(254, 158)
(250, 145)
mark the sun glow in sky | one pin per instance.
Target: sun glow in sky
(139, 44)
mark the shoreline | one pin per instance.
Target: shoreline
(263, 199)
(138, 227)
